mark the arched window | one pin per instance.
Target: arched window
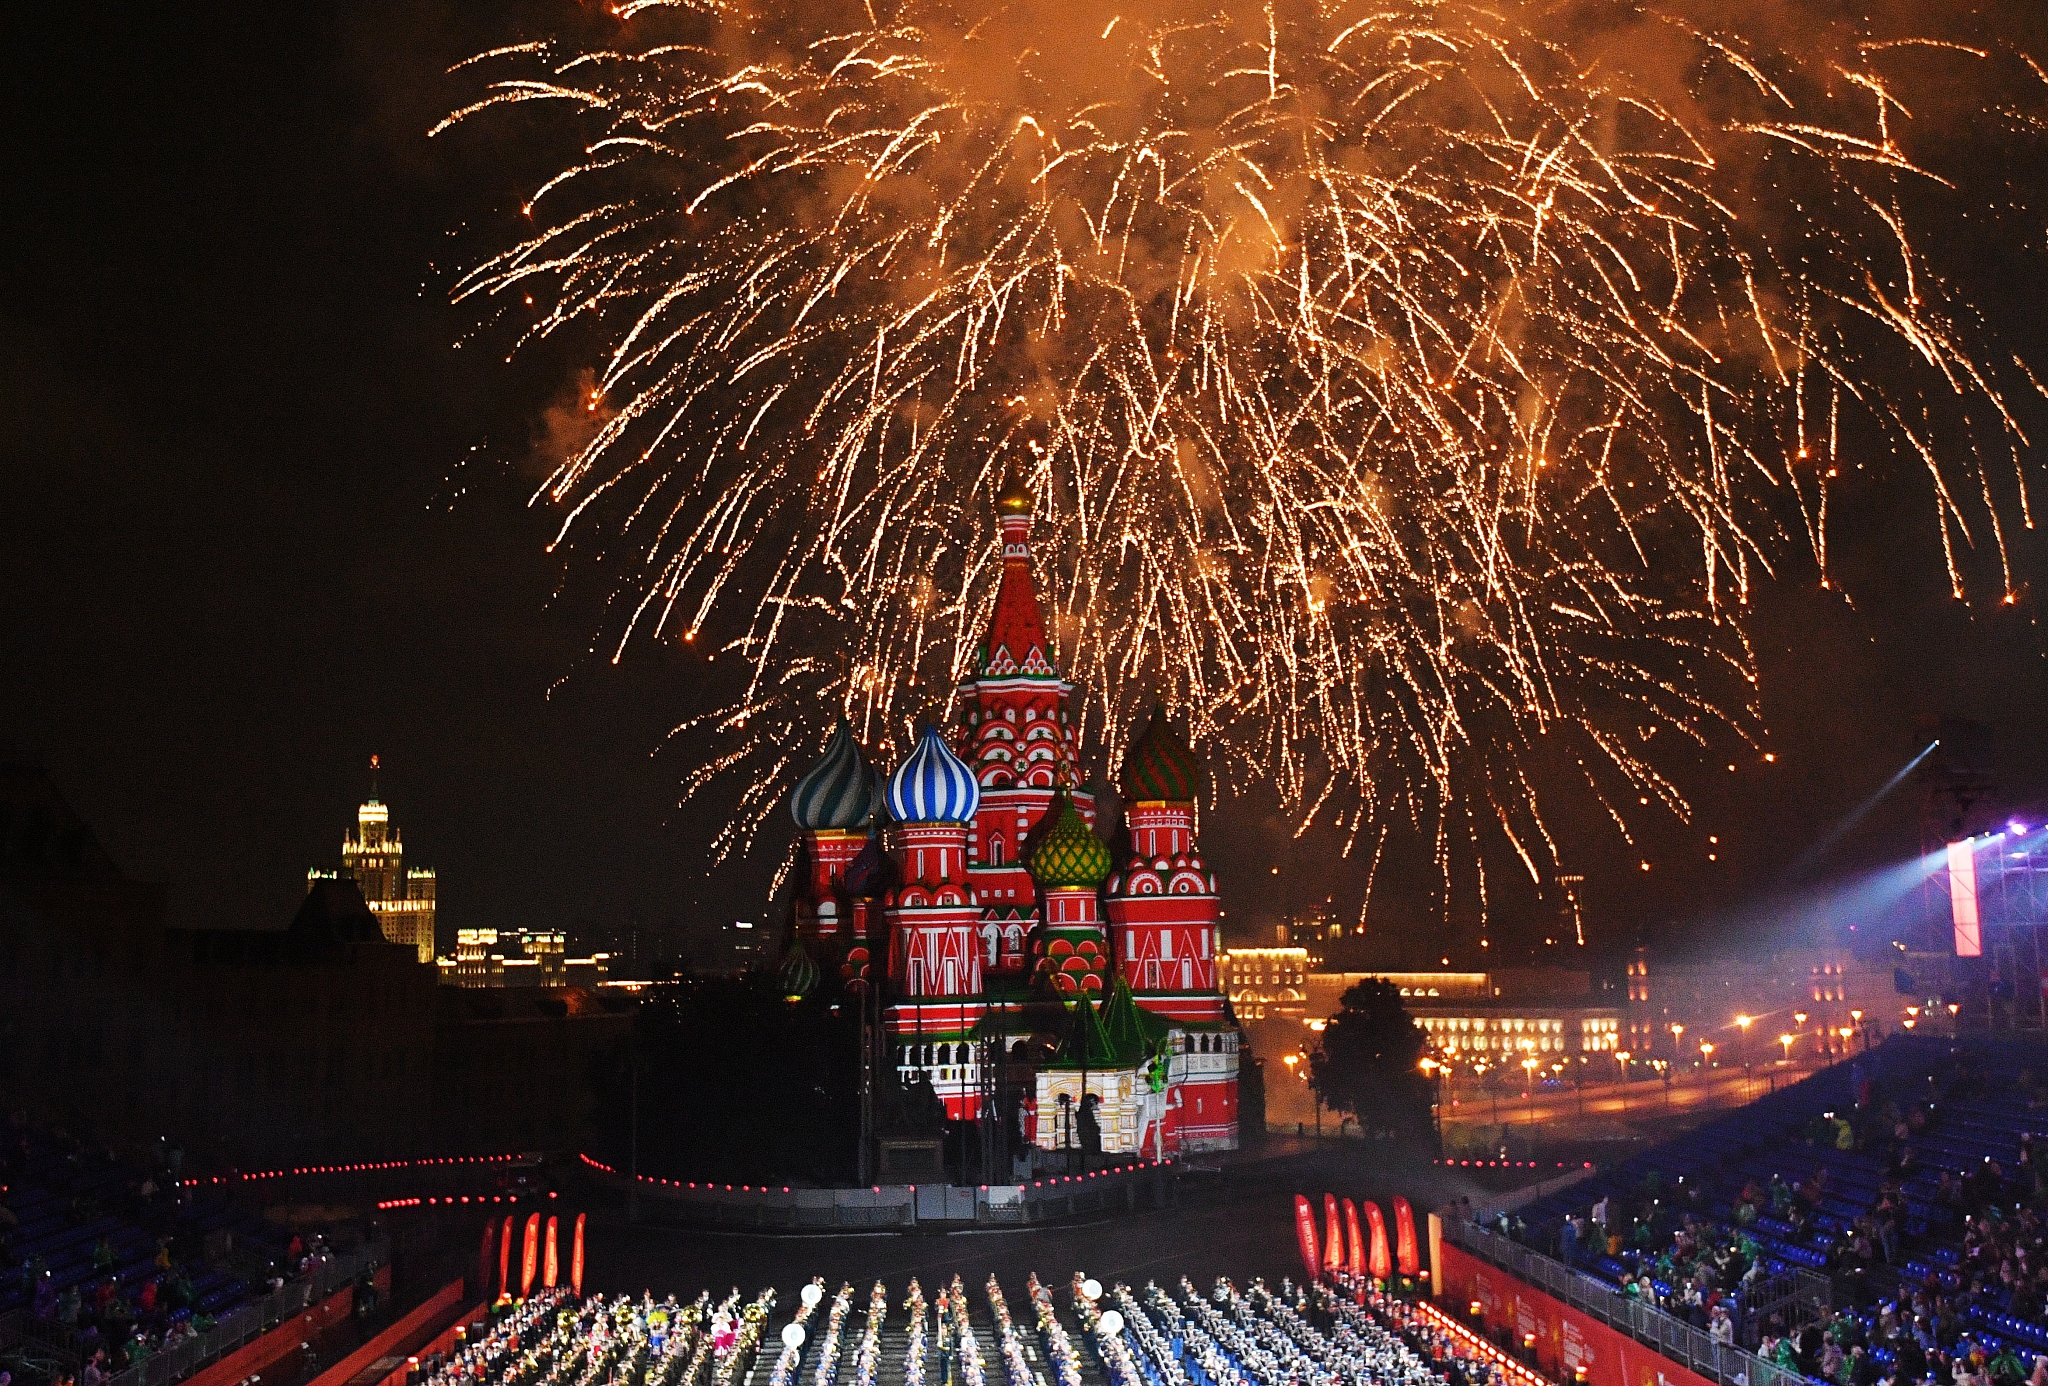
(996, 848)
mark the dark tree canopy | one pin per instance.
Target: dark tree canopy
(1369, 1066)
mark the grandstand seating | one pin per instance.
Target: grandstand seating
(1978, 1109)
(64, 1207)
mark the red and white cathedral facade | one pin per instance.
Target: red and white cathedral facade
(973, 887)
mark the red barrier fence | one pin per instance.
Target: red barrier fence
(258, 1357)
(408, 1337)
(1570, 1346)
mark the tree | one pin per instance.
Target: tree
(1369, 1065)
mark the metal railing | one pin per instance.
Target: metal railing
(253, 1318)
(1675, 1338)
(901, 1205)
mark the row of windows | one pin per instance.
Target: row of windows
(1031, 714)
(1505, 1025)
(961, 1052)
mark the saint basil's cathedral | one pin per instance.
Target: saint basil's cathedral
(1019, 958)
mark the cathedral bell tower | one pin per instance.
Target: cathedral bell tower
(935, 961)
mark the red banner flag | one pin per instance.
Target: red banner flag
(548, 1263)
(1333, 1235)
(1305, 1236)
(483, 1259)
(1354, 1244)
(1405, 1252)
(1379, 1264)
(529, 1258)
(505, 1263)
(576, 1261)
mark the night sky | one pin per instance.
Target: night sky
(262, 521)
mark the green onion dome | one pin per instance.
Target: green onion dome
(1070, 856)
(799, 973)
(1160, 767)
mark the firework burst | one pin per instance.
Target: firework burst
(1411, 393)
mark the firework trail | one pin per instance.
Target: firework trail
(1411, 393)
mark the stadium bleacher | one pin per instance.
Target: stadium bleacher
(1908, 1177)
(95, 1253)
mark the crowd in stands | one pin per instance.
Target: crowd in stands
(1914, 1180)
(104, 1256)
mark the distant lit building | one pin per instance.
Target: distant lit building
(746, 946)
(489, 958)
(401, 897)
(1472, 1018)
(1798, 1002)
(1265, 983)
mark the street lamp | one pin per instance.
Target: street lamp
(1677, 1039)
(1786, 1040)
(1706, 1053)
(1436, 1071)
(1621, 1058)
(1743, 1022)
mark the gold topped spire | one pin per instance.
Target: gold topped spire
(1014, 500)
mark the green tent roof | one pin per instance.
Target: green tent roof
(1131, 1028)
(1086, 1044)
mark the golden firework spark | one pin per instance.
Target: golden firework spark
(1412, 395)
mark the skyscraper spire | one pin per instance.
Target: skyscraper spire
(373, 777)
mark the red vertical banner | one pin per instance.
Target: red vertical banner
(1305, 1237)
(1380, 1264)
(505, 1262)
(548, 1263)
(1405, 1253)
(529, 1259)
(483, 1259)
(1354, 1244)
(576, 1261)
(1333, 1235)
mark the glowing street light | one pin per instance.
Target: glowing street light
(1786, 1040)
(1799, 1017)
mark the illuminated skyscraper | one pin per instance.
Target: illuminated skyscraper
(401, 897)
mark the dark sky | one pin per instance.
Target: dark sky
(242, 548)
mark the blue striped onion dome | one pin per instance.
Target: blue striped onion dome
(933, 785)
(839, 791)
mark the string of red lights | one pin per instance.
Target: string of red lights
(713, 1185)
(363, 1167)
